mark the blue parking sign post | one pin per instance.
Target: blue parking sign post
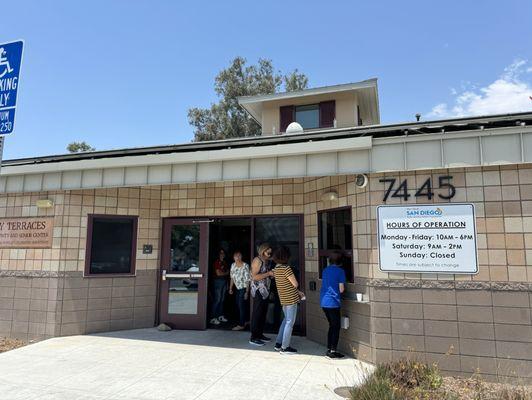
(10, 61)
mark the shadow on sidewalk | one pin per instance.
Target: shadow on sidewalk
(211, 338)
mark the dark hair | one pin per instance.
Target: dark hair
(336, 257)
(237, 251)
(281, 255)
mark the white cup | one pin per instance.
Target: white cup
(359, 296)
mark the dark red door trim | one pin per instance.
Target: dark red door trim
(165, 244)
(183, 321)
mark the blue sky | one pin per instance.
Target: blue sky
(124, 73)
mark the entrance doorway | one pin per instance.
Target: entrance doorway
(229, 235)
(189, 249)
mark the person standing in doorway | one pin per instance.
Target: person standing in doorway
(221, 273)
(332, 286)
(287, 288)
(260, 292)
(240, 279)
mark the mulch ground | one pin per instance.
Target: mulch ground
(10, 344)
(473, 389)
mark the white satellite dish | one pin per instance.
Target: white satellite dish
(294, 127)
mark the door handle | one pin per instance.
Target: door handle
(186, 275)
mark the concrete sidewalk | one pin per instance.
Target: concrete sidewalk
(147, 364)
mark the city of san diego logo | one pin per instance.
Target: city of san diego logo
(416, 212)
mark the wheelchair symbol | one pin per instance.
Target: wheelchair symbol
(4, 63)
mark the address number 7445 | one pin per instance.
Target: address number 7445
(444, 182)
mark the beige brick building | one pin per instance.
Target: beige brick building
(287, 189)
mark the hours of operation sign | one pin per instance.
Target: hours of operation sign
(427, 238)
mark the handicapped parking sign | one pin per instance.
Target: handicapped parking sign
(10, 60)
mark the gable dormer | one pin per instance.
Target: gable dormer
(329, 107)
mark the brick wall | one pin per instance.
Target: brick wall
(28, 305)
(483, 318)
(466, 323)
(43, 292)
(465, 328)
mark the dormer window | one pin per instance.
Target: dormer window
(339, 106)
(309, 116)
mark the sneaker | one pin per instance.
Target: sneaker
(277, 347)
(221, 318)
(215, 321)
(333, 355)
(238, 328)
(265, 338)
(288, 350)
(256, 342)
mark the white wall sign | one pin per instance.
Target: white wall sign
(439, 238)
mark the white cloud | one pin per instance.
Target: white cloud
(509, 93)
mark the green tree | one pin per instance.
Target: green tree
(295, 81)
(226, 119)
(79, 147)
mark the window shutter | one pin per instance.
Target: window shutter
(327, 114)
(287, 117)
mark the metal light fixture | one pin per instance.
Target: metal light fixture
(44, 203)
(331, 195)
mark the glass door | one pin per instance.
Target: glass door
(282, 230)
(184, 273)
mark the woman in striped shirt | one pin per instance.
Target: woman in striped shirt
(287, 285)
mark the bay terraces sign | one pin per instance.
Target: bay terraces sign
(26, 233)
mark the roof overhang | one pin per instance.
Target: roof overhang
(367, 89)
(405, 147)
(403, 129)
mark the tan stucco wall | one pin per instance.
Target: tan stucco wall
(346, 111)
(271, 120)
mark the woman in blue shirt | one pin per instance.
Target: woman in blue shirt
(332, 286)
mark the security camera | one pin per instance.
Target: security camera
(361, 181)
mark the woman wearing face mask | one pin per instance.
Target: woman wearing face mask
(221, 273)
(260, 291)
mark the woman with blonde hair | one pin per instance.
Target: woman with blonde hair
(260, 291)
